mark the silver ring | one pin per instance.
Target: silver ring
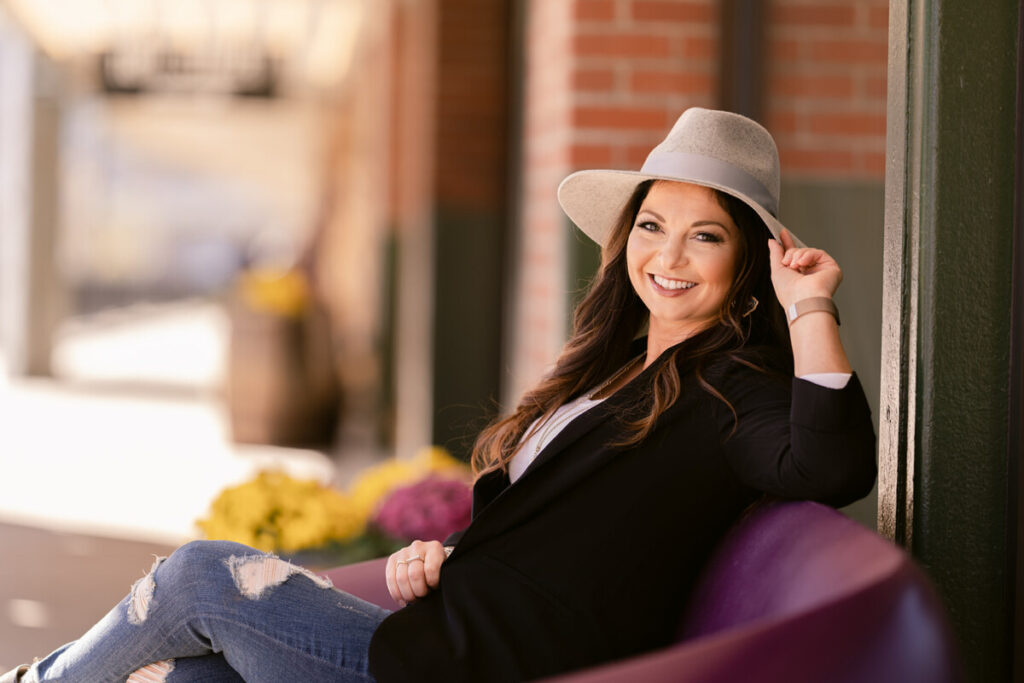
(409, 559)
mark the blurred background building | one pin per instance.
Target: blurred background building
(404, 156)
(401, 158)
(390, 165)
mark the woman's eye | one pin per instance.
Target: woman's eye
(708, 237)
(648, 226)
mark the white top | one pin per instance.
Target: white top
(538, 437)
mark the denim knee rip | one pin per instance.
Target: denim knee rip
(254, 575)
(156, 672)
(142, 595)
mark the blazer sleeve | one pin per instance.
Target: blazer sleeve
(801, 442)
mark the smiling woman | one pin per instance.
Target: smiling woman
(682, 254)
(672, 408)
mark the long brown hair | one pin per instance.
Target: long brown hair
(611, 316)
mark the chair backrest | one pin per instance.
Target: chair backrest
(784, 558)
(803, 567)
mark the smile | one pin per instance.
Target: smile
(670, 284)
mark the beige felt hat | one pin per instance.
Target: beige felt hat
(716, 149)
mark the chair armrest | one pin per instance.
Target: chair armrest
(364, 580)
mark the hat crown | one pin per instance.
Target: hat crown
(728, 137)
(717, 149)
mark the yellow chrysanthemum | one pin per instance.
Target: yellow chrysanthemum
(276, 512)
(282, 292)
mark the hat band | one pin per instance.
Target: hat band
(703, 169)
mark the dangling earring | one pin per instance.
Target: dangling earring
(751, 307)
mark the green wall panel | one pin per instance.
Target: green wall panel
(960, 86)
(846, 219)
(467, 325)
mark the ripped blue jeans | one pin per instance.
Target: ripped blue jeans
(216, 611)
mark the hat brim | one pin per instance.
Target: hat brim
(594, 200)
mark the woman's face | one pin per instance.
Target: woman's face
(681, 256)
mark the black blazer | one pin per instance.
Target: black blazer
(592, 553)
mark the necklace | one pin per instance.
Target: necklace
(615, 377)
(555, 423)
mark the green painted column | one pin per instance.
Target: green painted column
(943, 446)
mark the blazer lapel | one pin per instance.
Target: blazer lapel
(497, 504)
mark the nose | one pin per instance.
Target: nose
(673, 252)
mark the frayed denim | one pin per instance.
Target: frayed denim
(215, 612)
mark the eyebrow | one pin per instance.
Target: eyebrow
(697, 224)
(700, 224)
(653, 213)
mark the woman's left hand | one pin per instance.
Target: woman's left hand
(801, 272)
(414, 571)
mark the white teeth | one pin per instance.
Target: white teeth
(673, 284)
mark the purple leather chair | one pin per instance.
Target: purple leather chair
(795, 592)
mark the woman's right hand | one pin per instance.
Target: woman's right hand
(415, 570)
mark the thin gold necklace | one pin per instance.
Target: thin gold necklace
(615, 377)
(551, 425)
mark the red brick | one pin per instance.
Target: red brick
(619, 117)
(801, 85)
(847, 51)
(782, 122)
(876, 88)
(672, 10)
(847, 124)
(583, 155)
(785, 50)
(668, 82)
(621, 45)
(873, 164)
(812, 14)
(600, 80)
(594, 10)
(636, 155)
(696, 47)
(878, 17)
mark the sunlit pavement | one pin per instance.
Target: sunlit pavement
(111, 463)
(55, 585)
(132, 441)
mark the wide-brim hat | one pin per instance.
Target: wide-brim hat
(717, 149)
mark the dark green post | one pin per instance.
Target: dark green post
(943, 446)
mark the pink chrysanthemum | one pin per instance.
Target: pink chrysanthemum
(428, 510)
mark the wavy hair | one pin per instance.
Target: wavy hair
(611, 316)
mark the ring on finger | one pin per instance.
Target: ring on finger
(407, 560)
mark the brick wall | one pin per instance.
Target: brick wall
(826, 83)
(604, 81)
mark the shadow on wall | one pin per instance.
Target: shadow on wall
(846, 219)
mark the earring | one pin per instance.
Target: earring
(751, 307)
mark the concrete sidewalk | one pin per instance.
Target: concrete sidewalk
(55, 585)
(112, 462)
(132, 440)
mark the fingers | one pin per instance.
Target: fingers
(433, 558)
(784, 252)
(775, 252)
(799, 259)
(415, 570)
(391, 576)
(786, 238)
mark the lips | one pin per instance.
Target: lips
(667, 285)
